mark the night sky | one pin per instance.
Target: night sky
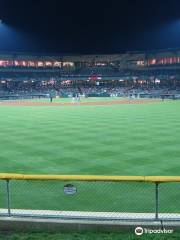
(78, 27)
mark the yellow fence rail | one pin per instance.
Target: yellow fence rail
(160, 179)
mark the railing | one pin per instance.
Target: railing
(144, 198)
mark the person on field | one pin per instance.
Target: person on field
(73, 97)
(51, 97)
(78, 98)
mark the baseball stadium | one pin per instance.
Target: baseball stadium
(90, 138)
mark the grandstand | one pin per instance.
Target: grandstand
(151, 74)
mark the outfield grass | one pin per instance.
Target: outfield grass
(105, 140)
(87, 236)
(112, 140)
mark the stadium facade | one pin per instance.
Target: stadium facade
(41, 73)
(70, 65)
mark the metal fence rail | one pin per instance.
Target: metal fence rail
(90, 197)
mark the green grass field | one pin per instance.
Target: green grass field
(110, 140)
(102, 140)
(87, 236)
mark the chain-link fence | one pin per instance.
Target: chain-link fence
(90, 197)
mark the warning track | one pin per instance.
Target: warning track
(97, 103)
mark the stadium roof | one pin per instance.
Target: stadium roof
(131, 56)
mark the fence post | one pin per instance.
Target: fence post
(157, 201)
(8, 197)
